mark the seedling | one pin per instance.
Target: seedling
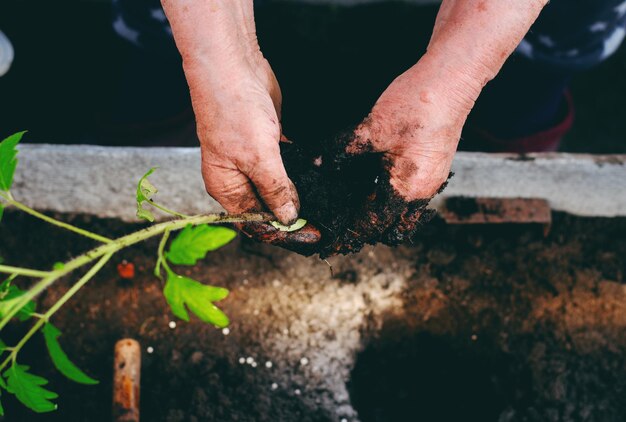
(199, 235)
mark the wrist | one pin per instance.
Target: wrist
(446, 88)
(216, 35)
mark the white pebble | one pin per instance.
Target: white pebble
(249, 360)
(274, 386)
(226, 331)
(150, 349)
(344, 420)
(253, 364)
(297, 392)
(242, 360)
(268, 364)
(304, 361)
(172, 324)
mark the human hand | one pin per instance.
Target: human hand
(236, 100)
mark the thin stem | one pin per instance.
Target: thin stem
(122, 243)
(53, 221)
(6, 269)
(167, 210)
(54, 308)
(160, 254)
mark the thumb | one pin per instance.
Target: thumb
(276, 189)
(368, 136)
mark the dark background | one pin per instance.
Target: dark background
(67, 83)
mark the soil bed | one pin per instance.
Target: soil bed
(491, 323)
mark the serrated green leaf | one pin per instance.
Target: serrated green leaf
(193, 243)
(183, 293)
(11, 295)
(60, 359)
(28, 389)
(145, 191)
(8, 160)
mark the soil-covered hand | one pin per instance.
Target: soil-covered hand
(416, 130)
(236, 100)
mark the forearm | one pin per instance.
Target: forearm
(215, 36)
(471, 41)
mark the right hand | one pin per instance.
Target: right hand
(236, 100)
(238, 124)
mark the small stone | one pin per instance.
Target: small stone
(474, 337)
(172, 324)
(253, 364)
(242, 360)
(226, 331)
(304, 361)
(150, 349)
(196, 357)
(256, 312)
(344, 420)
(249, 360)
(297, 392)
(274, 386)
(268, 364)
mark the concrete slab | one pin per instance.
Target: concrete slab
(102, 180)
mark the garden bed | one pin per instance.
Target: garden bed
(493, 323)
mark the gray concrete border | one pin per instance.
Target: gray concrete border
(101, 181)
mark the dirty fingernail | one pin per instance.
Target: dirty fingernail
(287, 214)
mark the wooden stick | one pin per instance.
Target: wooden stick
(126, 381)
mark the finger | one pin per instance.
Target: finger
(303, 241)
(231, 188)
(275, 189)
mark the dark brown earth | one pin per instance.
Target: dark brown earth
(489, 323)
(349, 198)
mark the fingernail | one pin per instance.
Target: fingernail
(287, 214)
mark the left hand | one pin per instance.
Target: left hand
(416, 125)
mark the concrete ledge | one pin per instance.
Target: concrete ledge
(102, 180)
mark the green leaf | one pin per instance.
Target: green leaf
(145, 191)
(8, 160)
(1, 211)
(301, 222)
(60, 359)
(193, 243)
(10, 296)
(58, 266)
(182, 293)
(28, 389)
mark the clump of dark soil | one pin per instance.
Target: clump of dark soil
(349, 198)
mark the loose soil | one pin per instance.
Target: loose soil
(490, 323)
(349, 198)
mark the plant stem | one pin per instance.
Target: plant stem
(122, 243)
(53, 221)
(160, 255)
(46, 317)
(167, 210)
(6, 269)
